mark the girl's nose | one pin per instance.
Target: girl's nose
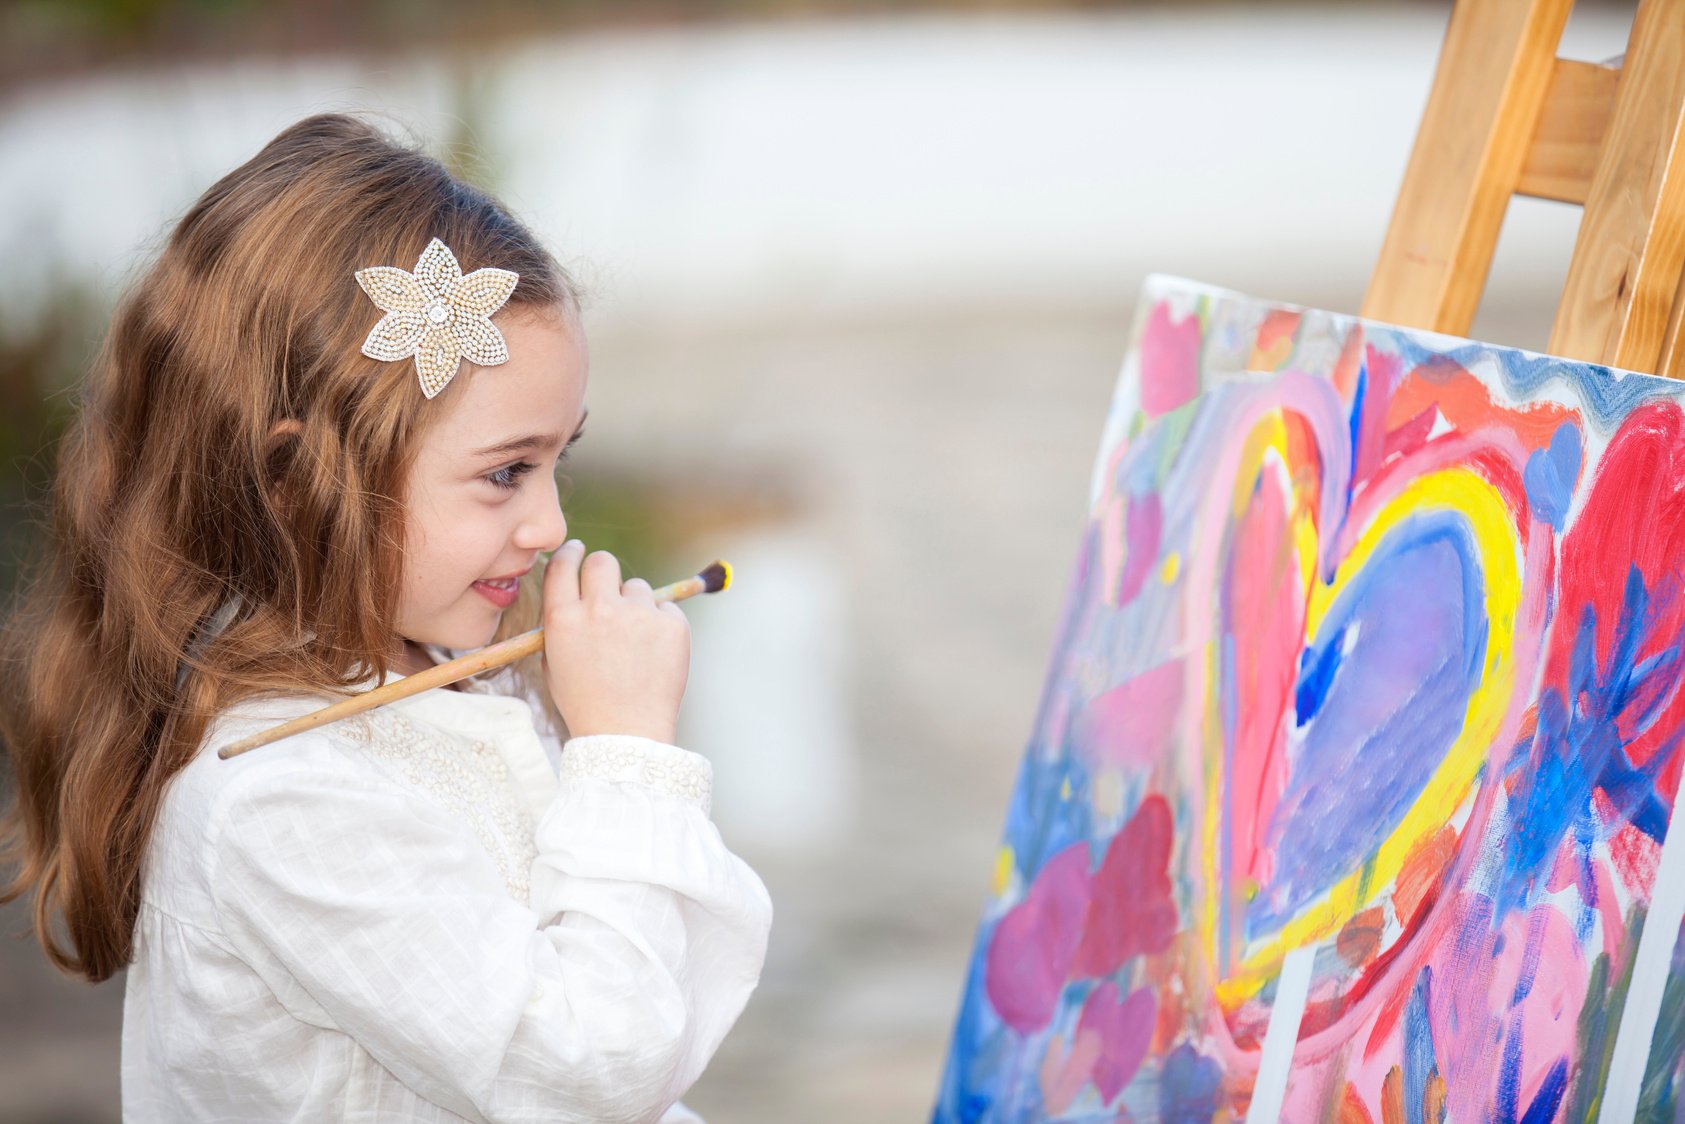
(545, 527)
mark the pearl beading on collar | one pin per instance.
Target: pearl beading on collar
(468, 777)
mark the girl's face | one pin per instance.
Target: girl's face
(481, 497)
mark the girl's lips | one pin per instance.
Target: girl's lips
(502, 594)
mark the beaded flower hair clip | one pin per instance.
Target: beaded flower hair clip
(437, 315)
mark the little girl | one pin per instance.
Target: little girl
(317, 453)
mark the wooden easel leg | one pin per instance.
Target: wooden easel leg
(1673, 344)
(1470, 149)
(1625, 273)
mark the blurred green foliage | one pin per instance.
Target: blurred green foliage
(624, 516)
(41, 362)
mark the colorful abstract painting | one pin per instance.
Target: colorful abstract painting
(1347, 798)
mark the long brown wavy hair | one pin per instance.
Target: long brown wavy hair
(232, 447)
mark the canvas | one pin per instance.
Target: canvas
(1348, 795)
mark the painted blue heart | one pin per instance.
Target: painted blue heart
(1381, 696)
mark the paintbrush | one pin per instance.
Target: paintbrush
(715, 578)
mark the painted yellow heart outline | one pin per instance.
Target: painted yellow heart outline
(1455, 489)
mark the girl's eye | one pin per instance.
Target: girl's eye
(509, 477)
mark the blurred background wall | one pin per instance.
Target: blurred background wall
(859, 280)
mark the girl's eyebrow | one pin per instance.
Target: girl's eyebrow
(529, 442)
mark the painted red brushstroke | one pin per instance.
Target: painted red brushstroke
(1467, 405)
(1634, 516)
(1132, 911)
(1344, 375)
(1500, 472)
(1074, 925)
(1636, 856)
(1264, 604)
(1274, 345)
(1380, 370)
(1407, 437)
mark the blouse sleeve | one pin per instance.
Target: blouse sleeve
(377, 912)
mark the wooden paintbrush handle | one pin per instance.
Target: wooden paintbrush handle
(440, 675)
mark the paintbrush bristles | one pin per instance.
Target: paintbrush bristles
(712, 580)
(716, 577)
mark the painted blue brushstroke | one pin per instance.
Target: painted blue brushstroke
(1039, 824)
(980, 1054)
(1509, 1077)
(1317, 665)
(1550, 475)
(1577, 748)
(1034, 832)
(1530, 954)
(1608, 394)
(1355, 424)
(1190, 1087)
(1549, 1097)
(1419, 1062)
(981, 1079)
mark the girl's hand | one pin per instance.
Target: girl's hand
(615, 661)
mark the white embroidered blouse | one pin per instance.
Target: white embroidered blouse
(433, 913)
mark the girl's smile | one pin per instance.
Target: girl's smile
(499, 593)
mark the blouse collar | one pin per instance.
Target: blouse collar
(480, 712)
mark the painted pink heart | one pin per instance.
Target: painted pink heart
(1074, 925)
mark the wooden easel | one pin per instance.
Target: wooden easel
(1506, 116)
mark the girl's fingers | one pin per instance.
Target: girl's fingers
(599, 576)
(561, 573)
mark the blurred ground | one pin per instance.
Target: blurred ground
(866, 287)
